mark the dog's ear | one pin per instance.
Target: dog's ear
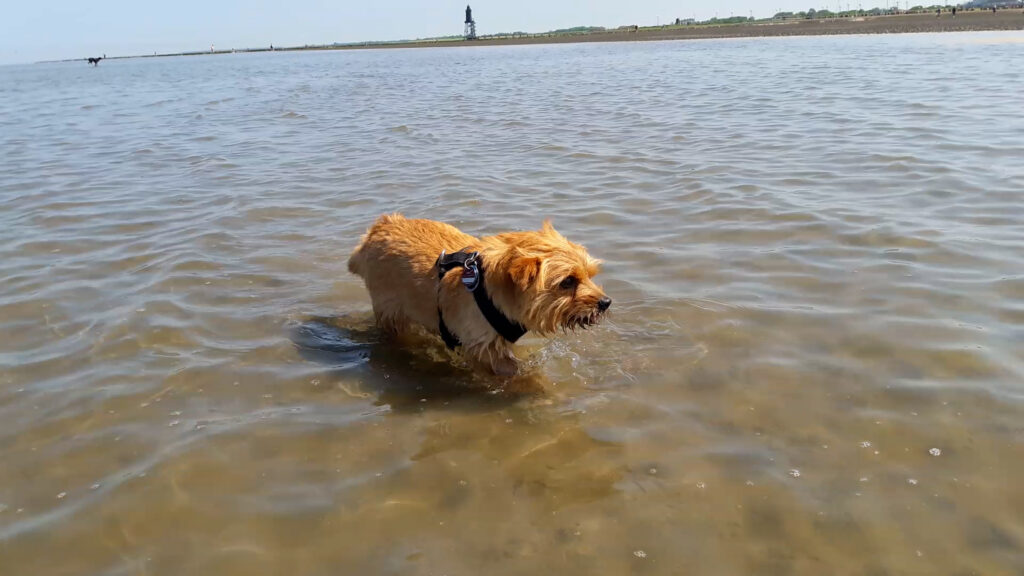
(523, 268)
(549, 230)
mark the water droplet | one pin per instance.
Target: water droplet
(864, 479)
(61, 495)
(912, 481)
(640, 554)
(935, 452)
(653, 471)
(173, 423)
(175, 413)
(919, 553)
(701, 485)
(865, 444)
(750, 483)
(794, 473)
(94, 486)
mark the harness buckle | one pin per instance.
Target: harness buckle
(471, 273)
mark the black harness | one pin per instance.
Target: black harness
(473, 280)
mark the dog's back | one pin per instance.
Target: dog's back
(396, 260)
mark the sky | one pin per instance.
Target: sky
(37, 30)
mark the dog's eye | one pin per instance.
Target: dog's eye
(569, 283)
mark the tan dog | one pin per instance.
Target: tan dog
(417, 272)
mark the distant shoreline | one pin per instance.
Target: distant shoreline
(975, 21)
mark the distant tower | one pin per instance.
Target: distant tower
(470, 24)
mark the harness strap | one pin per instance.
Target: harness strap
(446, 262)
(450, 340)
(508, 329)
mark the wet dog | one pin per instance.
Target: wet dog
(481, 294)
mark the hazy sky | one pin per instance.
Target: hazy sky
(32, 30)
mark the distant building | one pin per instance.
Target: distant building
(986, 4)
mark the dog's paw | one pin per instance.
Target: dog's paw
(505, 366)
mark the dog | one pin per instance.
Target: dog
(95, 61)
(509, 284)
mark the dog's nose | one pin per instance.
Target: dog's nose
(604, 303)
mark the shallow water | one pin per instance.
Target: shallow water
(815, 363)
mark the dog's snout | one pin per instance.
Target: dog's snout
(604, 303)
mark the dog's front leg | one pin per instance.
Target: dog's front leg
(496, 356)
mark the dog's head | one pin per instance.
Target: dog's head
(549, 281)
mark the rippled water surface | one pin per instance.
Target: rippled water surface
(815, 363)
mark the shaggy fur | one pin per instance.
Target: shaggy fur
(536, 278)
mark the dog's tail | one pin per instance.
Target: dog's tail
(357, 261)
